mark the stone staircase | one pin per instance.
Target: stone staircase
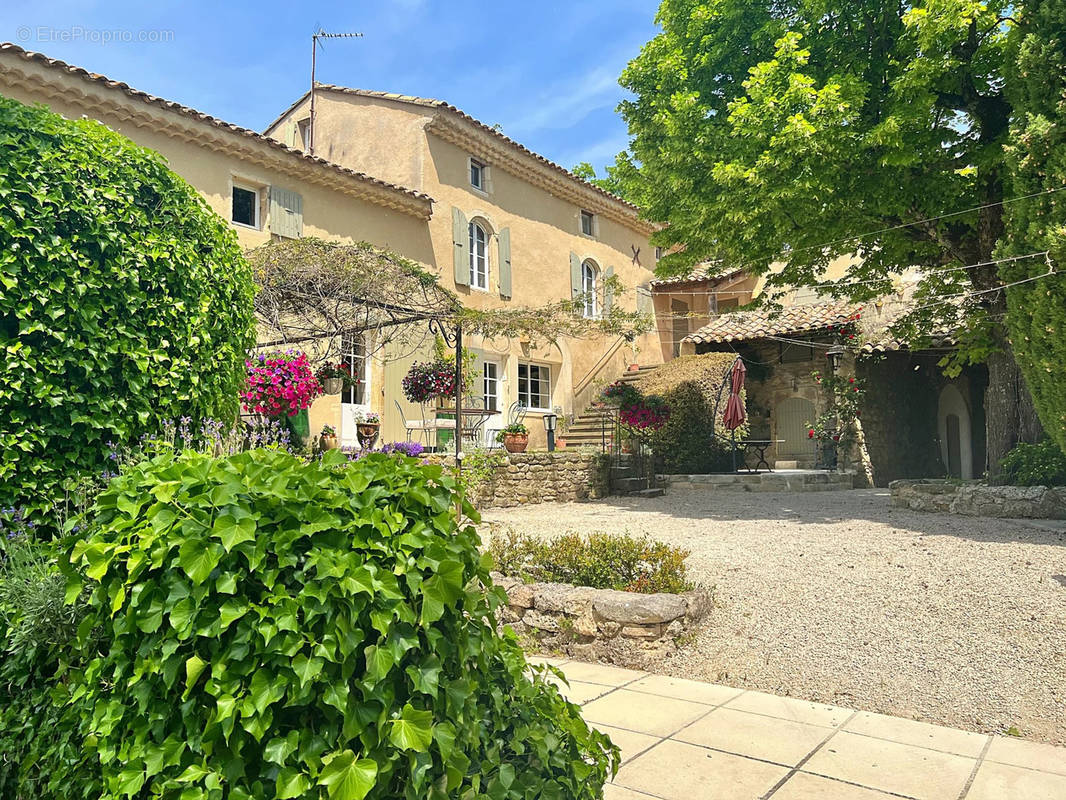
(626, 479)
(595, 428)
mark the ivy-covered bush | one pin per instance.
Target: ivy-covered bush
(276, 629)
(692, 438)
(1041, 464)
(124, 300)
(600, 560)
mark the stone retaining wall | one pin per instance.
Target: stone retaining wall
(600, 623)
(799, 481)
(978, 500)
(559, 477)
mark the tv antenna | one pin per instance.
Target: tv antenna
(321, 34)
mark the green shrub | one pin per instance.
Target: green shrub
(600, 560)
(693, 439)
(42, 738)
(1042, 464)
(277, 629)
(124, 300)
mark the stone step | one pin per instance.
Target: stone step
(629, 485)
(656, 491)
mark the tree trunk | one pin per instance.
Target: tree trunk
(1009, 413)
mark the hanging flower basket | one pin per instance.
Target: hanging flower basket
(427, 381)
(279, 384)
(333, 385)
(334, 377)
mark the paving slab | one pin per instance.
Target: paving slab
(688, 740)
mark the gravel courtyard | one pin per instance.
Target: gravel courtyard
(839, 598)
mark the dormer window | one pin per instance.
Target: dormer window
(478, 175)
(588, 223)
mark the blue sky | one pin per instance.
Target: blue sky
(546, 71)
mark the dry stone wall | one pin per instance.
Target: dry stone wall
(624, 627)
(977, 500)
(559, 477)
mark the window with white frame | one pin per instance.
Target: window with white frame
(304, 129)
(479, 257)
(534, 386)
(589, 280)
(245, 208)
(490, 383)
(588, 223)
(353, 357)
(478, 175)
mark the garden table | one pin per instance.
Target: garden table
(760, 446)
(473, 419)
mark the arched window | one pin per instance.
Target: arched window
(589, 287)
(479, 257)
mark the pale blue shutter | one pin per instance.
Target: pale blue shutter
(505, 263)
(286, 213)
(576, 289)
(461, 242)
(608, 292)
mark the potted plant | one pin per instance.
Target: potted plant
(560, 436)
(515, 437)
(334, 377)
(328, 437)
(281, 386)
(367, 427)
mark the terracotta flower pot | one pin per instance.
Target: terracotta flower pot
(516, 442)
(332, 385)
(329, 442)
(560, 442)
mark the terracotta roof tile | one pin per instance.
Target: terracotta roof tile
(54, 63)
(441, 104)
(761, 323)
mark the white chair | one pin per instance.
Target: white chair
(411, 425)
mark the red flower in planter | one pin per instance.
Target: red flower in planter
(810, 433)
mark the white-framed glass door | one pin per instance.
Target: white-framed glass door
(492, 397)
(355, 398)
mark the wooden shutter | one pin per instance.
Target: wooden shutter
(461, 242)
(286, 213)
(608, 292)
(576, 289)
(505, 263)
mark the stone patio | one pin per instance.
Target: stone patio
(685, 740)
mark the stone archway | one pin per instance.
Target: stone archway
(955, 431)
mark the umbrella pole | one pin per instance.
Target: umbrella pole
(733, 439)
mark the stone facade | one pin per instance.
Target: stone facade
(559, 477)
(978, 500)
(600, 623)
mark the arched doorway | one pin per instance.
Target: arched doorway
(953, 425)
(793, 416)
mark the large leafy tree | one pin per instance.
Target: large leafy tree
(1036, 156)
(774, 133)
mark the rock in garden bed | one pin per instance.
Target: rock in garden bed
(605, 624)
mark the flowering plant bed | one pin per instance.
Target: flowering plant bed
(646, 414)
(279, 384)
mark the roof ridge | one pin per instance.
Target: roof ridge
(170, 105)
(445, 105)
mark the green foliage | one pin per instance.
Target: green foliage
(600, 560)
(1041, 464)
(124, 300)
(513, 429)
(277, 629)
(695, 388)
(42, 740)
(1036, 155)
(842, 400)
(765, 130)
(479, 469)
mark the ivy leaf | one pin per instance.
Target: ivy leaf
(346, 778)
(413, 730)
(232, 531)
(193, 667)
(291, 783)
(198, 559)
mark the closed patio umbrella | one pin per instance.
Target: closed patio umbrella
(734, 415)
